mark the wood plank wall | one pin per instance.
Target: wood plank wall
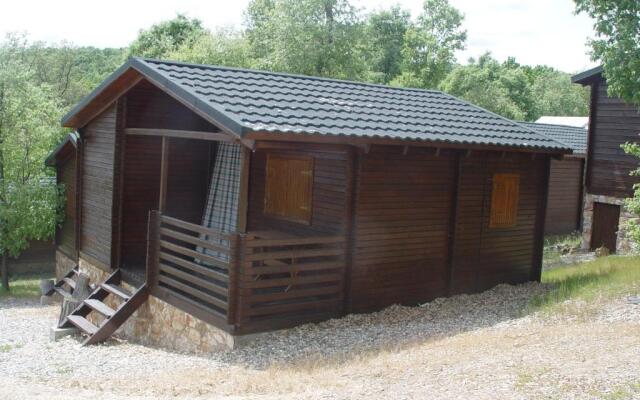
(330, 197)
(66, 235)
(484, 257)
(402, 221)
(149, 107)
(141, 191)
(564, 204)
(97, 187)
(608, 166)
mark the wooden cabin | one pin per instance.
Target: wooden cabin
(566, 179)
(257, 201)
(612, 122)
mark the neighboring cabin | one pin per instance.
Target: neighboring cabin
(612, 123)
(566, 177)
(257, 201)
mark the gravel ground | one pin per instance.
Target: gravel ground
(467, 346)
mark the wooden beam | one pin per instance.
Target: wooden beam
(164, 169)
(405, 150)
(177, 133)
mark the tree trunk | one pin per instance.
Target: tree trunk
(5, 272)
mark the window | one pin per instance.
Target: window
(504, 200)
(289, 187)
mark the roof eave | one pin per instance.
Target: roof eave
(587, 77)
(359, 140)
(70, 140)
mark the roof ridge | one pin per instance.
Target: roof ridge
(285, 74)
(548, 124)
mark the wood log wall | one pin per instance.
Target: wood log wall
(564, 205)
(97, 187)
(613, 122)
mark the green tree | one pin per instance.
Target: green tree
(554, 94)
(313, 37)
(167, 37)
(428, 53)
(516, 91)
(385, 30)
(28, 130)
(617, 43)
(223, 47)
(488, 84)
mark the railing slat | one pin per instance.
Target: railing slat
(249, 282)
(193, 279)
(194, 240)
(194, 267)
(294, 241)
(298, 267)
(193, 227)
(327, 252)
(193, 292)
(194, 254)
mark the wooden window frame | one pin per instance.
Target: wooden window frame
(494, 220)
(287, 156)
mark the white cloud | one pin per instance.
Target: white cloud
(534, 31)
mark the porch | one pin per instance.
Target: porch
(245, 283)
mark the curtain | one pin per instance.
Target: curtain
(221, 211)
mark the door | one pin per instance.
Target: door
(605, 226)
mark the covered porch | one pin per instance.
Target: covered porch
(185, 208)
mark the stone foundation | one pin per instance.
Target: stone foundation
(63, 264)
(157, 323)
(624, 245)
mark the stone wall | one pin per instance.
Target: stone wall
(156, 322)
(63, 264)
(624, 245)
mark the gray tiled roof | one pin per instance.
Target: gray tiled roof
(574, 137)
(245, 101)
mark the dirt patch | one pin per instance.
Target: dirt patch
(478, 346)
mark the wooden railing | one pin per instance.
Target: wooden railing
(245, 283)
(190, 267)
(285, 281)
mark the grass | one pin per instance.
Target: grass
(23, 286)
(605, 277)
(557, 245)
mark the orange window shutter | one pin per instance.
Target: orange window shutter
(289, 183)
(504, 200)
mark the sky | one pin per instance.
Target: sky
(533, 31)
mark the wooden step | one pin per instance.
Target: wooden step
(64, 293)
(70, 282)
(116, 290)
(100, 307)
(83, 324)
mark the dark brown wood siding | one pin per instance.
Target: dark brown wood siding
(149, 107)
(614, 123)
(97, 187)
(66, 235)
(141, 188)
(484, 257)
(402, 217)
(330, 186)
(564, 204)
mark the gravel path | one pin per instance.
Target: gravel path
(467, 346)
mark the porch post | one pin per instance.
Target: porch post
(164, 168)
